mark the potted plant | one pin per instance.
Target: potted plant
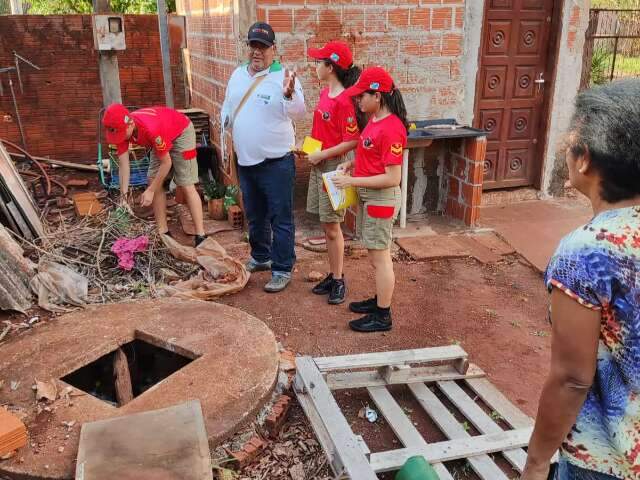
(214, 194)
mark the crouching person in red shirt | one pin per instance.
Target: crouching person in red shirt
(172, 139)
(376, 172)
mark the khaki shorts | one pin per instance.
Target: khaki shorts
(183, 170)
(318, 201)
(377, 212)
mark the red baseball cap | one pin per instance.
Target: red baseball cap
(115, 120)
(372, 78)
(338, 52)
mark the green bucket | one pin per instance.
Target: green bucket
(417, 468)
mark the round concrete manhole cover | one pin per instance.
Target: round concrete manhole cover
(176, 350)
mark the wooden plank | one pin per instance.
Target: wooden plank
(401, 424)
(498, 402)
(342, 380)
(482, 421)
(453, 449)
(482, 464)
(19, 192)
(346, 444)
(381, 359)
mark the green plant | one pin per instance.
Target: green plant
(600, 61)
(214, 190)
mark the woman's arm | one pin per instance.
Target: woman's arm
(390, 178)
(574, 349)
(336, 151)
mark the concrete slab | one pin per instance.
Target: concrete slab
(234, 370)
(166, 444)
(535, 228)
(432, 247)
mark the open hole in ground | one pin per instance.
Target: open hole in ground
(116, 381)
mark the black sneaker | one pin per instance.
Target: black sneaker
(338, 291)
(324, 287)
(372, 322)
(199, 239)
(366, 306)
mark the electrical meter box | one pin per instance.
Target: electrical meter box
(108, 32)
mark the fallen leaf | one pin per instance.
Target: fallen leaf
(46, 390)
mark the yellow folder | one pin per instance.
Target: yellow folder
(311, 145)
(340, 198)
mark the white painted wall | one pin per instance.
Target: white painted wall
(473, 18)
(566, 84)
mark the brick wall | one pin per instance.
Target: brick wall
(60, 105)
(419, 41)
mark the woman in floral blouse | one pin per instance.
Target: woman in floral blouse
(590, 403)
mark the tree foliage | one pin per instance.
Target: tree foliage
(624, 4)
(62, 7)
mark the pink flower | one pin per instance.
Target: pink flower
(124, 248)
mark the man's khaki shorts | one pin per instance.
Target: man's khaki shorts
(377, 212)
(318, 201)
(184, 166)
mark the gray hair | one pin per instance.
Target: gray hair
(606, 122)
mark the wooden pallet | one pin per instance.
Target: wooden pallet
(438, 368)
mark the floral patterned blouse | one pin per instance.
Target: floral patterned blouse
(599, 266)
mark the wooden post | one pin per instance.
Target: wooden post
(122, 378)
(165, 53)
(108, 62)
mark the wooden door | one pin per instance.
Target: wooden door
(510, 93)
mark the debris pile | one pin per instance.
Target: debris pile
(85, 246)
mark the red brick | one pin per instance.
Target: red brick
(441, 18)
(454, 209)
(305, 19)
(459, 17)
(454, 187)
(261, 14)
(421, 17)
(452, 45)
(280, 19)
(476, 172)
(476, 149)
(471, 194)
(399, 17)
(471, 216)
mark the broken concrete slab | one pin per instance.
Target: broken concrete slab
(494, 243)
(165, 444)
(433, 247)
(477, 250)
(233, 369)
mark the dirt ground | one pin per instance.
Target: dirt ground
(496, 312)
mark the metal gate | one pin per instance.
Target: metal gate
(612, 46)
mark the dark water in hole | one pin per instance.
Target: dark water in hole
(148, 365)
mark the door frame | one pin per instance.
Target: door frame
(555, 31)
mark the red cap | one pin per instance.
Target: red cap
(338, 52)
(115, 120)
(372, 78)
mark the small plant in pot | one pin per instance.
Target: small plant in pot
(214, 194)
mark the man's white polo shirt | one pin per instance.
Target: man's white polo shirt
(263, 128)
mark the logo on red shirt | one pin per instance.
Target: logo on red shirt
(351, 127)
(396, 149)
(160, 143)
(326, 116)
(367, 143)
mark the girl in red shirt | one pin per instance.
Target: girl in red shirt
(376, 172)
(335, 124)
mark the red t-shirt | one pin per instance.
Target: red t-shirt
(381, 144)
(157, 128)
(334, 120)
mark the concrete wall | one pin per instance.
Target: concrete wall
(575, 19)
(60, 104)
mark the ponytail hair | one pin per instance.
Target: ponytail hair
(395, 104)
(348, 77)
